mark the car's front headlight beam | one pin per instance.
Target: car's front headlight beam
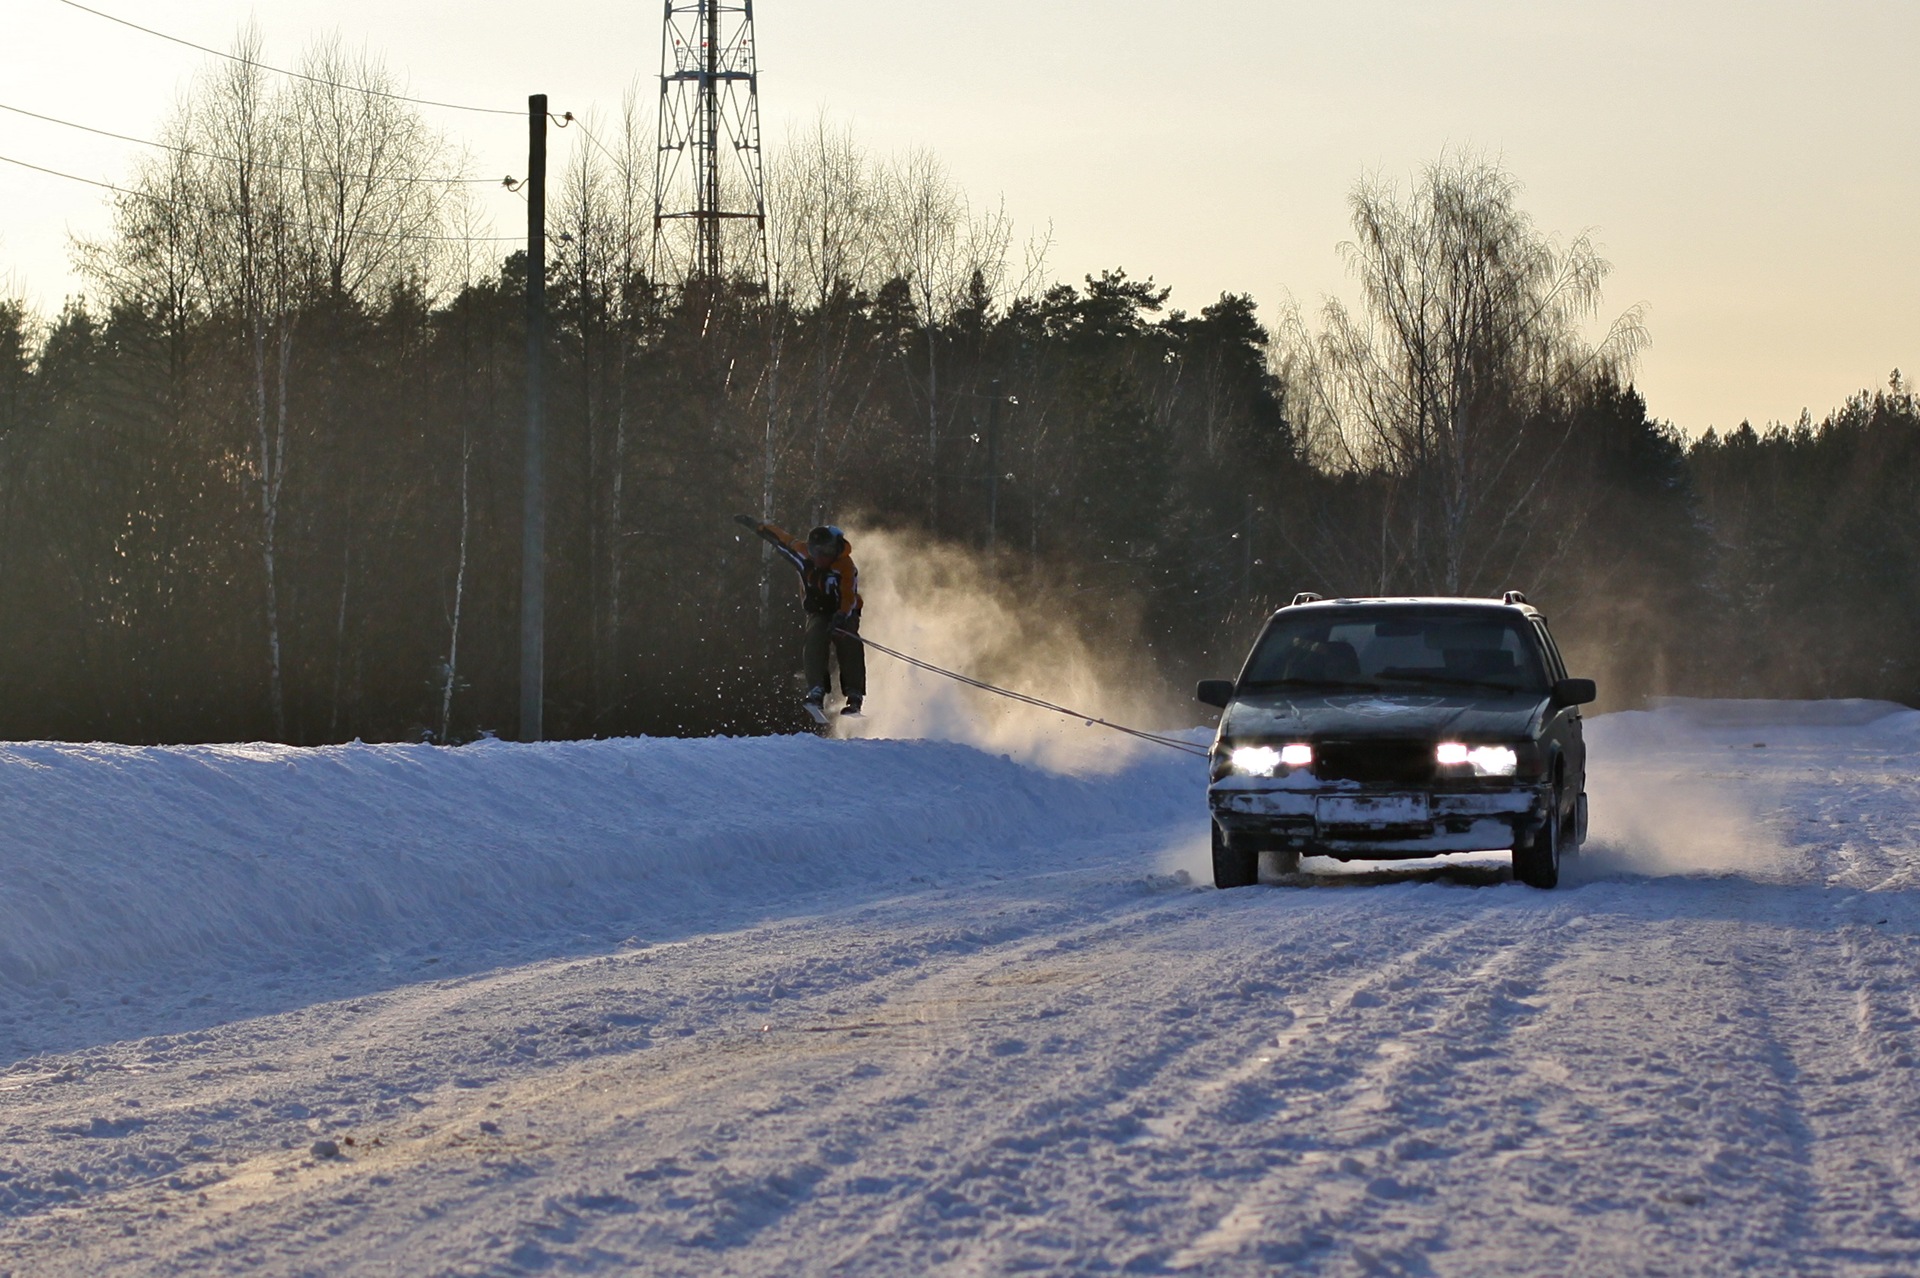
(1485, 760)
(1279, 760)
(1267, 761)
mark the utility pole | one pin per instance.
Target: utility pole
(993, 464)
(533, 525)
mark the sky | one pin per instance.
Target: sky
(1752, 170)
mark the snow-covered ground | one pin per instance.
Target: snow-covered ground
(891, 1007)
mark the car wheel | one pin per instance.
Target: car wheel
(1233, 868)
(1536, 858)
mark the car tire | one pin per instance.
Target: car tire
(1536, 858)
(1232, 867)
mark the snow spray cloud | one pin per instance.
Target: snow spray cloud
(1662, 804)
(945, 605)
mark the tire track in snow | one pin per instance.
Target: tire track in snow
(1121, 1148)
(1328, 1131)
(777, 956)
(1858, 1087)
(1311, 1016)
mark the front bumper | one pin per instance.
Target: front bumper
(1375, 823)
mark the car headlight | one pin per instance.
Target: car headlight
(1264, 761)
(1255, 761)
(1486, 761)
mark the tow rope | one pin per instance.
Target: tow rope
(1172, 743)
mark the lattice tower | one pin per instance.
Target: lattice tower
(708, 173)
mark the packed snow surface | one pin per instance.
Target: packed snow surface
(889, 1007)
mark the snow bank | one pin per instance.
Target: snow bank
(1724, 712)
(115, 857)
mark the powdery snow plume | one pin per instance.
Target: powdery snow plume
(1692, 787)
(1190, 853)
(1651, 812)
(943, 605)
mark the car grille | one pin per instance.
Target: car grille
(1388, 762)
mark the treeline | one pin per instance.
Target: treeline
(1811, 539)
(264, 482)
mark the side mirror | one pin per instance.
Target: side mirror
(1214, 692)
(1574, 692)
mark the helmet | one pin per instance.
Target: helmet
(825, 538)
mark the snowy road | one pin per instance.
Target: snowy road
(1699, 1056)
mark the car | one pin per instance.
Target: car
(1383, 729)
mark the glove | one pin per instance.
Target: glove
(846, 623)
(747, 521)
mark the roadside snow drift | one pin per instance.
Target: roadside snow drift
(117, 857)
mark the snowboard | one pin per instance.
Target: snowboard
(825, 717)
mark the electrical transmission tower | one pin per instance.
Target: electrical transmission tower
(708, 171)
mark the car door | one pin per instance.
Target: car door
(1564, 725)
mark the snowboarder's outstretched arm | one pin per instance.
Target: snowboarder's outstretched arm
(791, 548)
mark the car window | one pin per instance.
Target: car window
(1555, 665)
(1398, 648)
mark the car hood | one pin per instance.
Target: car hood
(1301, 715)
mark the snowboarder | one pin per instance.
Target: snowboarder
(831, 585)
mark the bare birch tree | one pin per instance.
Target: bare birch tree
(254, 274)
(941, 248)
(466, 222)
(1472, 330)
(373, 178)
(828, 208)
(828, 200)
(273, 197)
(603, 214)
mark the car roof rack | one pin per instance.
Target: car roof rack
(1305, 597)
(1513, 597)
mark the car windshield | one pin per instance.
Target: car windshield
(1375, 649)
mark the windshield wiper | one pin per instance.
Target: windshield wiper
(1452, 681)
(1349, 684)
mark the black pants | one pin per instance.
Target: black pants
(853, 655)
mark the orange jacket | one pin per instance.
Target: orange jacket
(830, 591)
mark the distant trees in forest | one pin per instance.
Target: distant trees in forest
(264, 480)
(1811, 581)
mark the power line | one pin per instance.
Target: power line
(297, 75)
(573, 121)
(158, 199)
(71, 177)
(227, 159)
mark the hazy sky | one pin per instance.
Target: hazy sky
(1751, 169)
